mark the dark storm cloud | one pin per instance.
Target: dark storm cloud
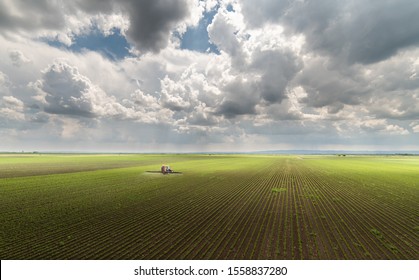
(30, 15)
(91, 6)
(355, 31)
(331, 87)
(151, 21)
(263, 81)
(382, 28)
(277, 68)
(262, 11)
(233, 108)
(261, 74)
(240, 99)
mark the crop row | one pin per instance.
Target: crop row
(222, 208)
(354, 215)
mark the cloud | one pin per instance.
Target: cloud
(4, 82)
(192, 97)
(239, 98)
(11, 101)
(394, 87)
(202, 116)
(398, 105)
(175, 96)
(262, 64)
(23, 15)
(12, 108)
(18, 58)
(64, 91)
(354, 31)
(147, 109)
(328, 86)
(382, 126)
(55, 20)
(283, 111)
(224, 32)
(151, 21)
(265, 11)
(415, 126)
(276, 69)
(148, 24)
(293, 74)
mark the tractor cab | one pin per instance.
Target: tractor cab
(166, 169)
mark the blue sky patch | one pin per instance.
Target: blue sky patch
(197, 39)
(230, 8)
(114, 46)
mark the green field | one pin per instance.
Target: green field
(220, 207)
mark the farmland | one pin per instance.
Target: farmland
(220, 207)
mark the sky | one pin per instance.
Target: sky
(202, 76)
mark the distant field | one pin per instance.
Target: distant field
(221, 207)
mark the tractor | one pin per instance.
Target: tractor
(165, 169)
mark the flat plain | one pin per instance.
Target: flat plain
(87, 206)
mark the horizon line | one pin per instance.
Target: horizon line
(280, 151)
